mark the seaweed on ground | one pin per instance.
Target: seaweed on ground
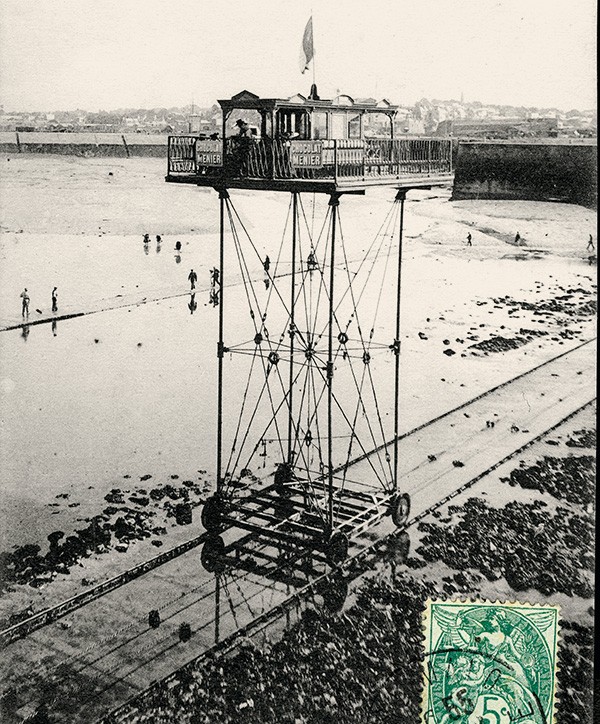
(529, 547)
(569, 478)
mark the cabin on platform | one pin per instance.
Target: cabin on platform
(307, 119)
(306, 143)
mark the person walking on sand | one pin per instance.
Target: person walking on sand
(158, 238)
(469, 237)
(517, 238)
(193, 278)
(146, 238)
(54, 300)
(590, 244)
(267, 264)
(25, 308)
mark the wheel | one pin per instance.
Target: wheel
(337, 548)
(212, 555)
(400, 509)
(212, 513)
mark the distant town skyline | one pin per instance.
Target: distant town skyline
(69, 54)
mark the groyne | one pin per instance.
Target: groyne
(115, 145)
(542, 171)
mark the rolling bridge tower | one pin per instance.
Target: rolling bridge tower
(309, 352)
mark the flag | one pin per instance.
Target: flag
(307, 50)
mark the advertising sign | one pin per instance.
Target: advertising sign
(307, 154)
(209, 153)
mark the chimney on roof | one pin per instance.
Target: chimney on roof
(314, 95)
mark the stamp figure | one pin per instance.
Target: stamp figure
(493, 662)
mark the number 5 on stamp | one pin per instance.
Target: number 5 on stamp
(489, 662)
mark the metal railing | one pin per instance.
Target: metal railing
(266, 158)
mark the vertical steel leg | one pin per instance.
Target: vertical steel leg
(400, 196)
(334, 202)
(223, 196)
(292, 329)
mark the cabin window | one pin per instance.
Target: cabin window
(354, 126)
(319, 124)
(294, 123)
(339, 125)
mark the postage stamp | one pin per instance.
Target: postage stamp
(489, 663)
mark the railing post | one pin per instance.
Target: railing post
(273, 142)
(335, 161)
(364, 150)
(429, 157)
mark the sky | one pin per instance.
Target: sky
(109, 54)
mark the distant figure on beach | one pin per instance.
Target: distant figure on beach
(177, 246)
(158, 239)
(311, 262)
(590, 244)
(177, 258)
(267, 264)
(214, 277)
(469, 237)
(54, 300)
(25, 307)
(193, 278)
(591, 260)
(517, 238)
(193, 304)
(146, 238)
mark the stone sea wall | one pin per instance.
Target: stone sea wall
(116, 145)
(545, 171)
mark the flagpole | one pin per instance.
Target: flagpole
(312, 18)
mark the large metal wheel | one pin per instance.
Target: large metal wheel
(336, 549)
(212, 555)
(400, 509)
(212, 514)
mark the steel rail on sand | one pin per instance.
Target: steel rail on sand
(52, 614)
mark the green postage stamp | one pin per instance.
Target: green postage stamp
(489, 663)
